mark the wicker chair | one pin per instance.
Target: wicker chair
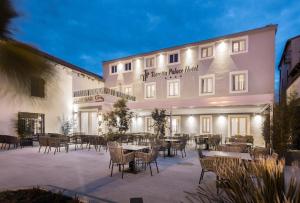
(118, 157)
(43, 142)
(9, 140)
(150, 157)
(164, 146)
(207, 165)
(199, 140)
(179, 146)
(259, 152)
(214, 141)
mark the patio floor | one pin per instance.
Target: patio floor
(87, 172)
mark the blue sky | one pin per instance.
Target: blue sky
(86, 32)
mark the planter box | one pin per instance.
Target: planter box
(292, 156)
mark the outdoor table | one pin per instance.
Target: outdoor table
(243, 156)
(170, 140)
(133, 148)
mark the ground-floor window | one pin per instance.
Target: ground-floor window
(176, 124)
(149, 124)
(89, 122)
(239, 124)
(206, 124)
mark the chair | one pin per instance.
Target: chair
(112, 144)
(118, 157)
(54, 142)
(164, 146)
(214, 141)
(43, 142)
(259, 152)
(179, 146)
(207, 165)
(150, 157)
(199, 140)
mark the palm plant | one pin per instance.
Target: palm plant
(19, 62)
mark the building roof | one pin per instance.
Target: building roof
(61, 62)
(267, 27)
(285, 47)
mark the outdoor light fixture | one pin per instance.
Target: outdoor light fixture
(222, 46)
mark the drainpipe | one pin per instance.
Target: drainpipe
(171, 133)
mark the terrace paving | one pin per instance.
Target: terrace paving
(86, 172)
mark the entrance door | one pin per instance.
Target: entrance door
(89, 123)
(239, 125)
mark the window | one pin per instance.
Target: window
(205, 124)
(149, 62)
(207, 85)
(175, 124)
(173, 88)
(128, 90)
(239, 81)
(113, 69)
(127, 66)
(207, 52)
(150, 90)
(174, 58)
(37, 87)
(239, 45)
(148, 124)
(239, 125)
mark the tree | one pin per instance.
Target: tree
(19, 62)
(119, 117)
(160, 120)
(284, 128)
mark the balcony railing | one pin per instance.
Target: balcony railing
(102, 91)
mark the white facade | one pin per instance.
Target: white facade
(57, 105)
(218, 86)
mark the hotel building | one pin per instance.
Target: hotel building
(216, 86)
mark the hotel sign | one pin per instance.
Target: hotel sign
(88, 99)
(176, 72)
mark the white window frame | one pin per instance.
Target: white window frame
(213, 85)
(179, 126)
(128, 86)
(206, 46)
(173, 52)
(238, 39)
(154, 62)
(168, 88)
(145, 90)
(110, 69)
(231, 74)
(211, 124)
(146, 126)
(124, 63)
(248, 121)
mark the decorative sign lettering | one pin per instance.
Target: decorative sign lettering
(176, 72)
(88, 99)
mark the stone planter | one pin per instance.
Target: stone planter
(292, 156)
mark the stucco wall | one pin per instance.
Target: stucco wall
(259, 61)
(82, 82)
(56, 104)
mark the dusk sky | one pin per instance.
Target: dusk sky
(86, 32)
